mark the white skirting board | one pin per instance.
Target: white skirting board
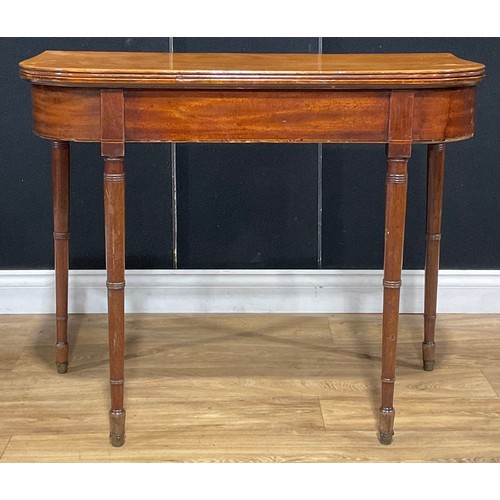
(249, 291)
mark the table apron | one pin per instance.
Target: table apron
(329, 116)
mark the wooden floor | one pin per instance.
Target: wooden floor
(292, 388)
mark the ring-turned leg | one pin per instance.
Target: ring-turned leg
(60, 194)
(114, 210)
(394, 237)
(398, 152)
(113, 151)
(435, 183)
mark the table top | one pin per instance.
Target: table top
(244, 70)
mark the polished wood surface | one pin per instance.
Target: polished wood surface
(143, 69)
(252, 388)
(114, 215)
(440, 115)
(113, 150)
(396, 99)
(435, 189)
(60, 193)
(398, 152)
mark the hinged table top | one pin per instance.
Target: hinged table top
(191, 70)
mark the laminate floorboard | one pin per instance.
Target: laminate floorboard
(251, 388)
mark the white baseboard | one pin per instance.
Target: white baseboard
(252, 291)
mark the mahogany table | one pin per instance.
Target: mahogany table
(114, 98)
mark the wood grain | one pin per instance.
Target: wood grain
(444, 413)
(9, 354)
(184, 115)
(249, 70)
(114, 229)
(396, 184)
(492, 374)
(435, 189)
(250, 116)
(4, 440)
(252, 388)
(258, 446)
(60, 204)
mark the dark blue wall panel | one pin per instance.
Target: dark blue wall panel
(253, 205)
(247, 206)
(471, 235)
(25, 176)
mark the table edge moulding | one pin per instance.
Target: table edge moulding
(117, 97)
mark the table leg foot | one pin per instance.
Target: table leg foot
(385, 437)
(117, 428)
(386, 425)
(62, 357)
(428, 355)
(62, 367)
(429, 366)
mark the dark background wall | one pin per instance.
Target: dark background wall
(253, 205)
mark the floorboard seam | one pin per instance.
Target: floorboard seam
(321, 412)
(5, 447)
(489, 383)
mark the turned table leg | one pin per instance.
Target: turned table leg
(60, 193)
(396, 184)
(114, 213)
(113, 152)
(435, 182)
(398, 152)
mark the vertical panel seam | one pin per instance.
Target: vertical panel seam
(173, 164)
(320, 187)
